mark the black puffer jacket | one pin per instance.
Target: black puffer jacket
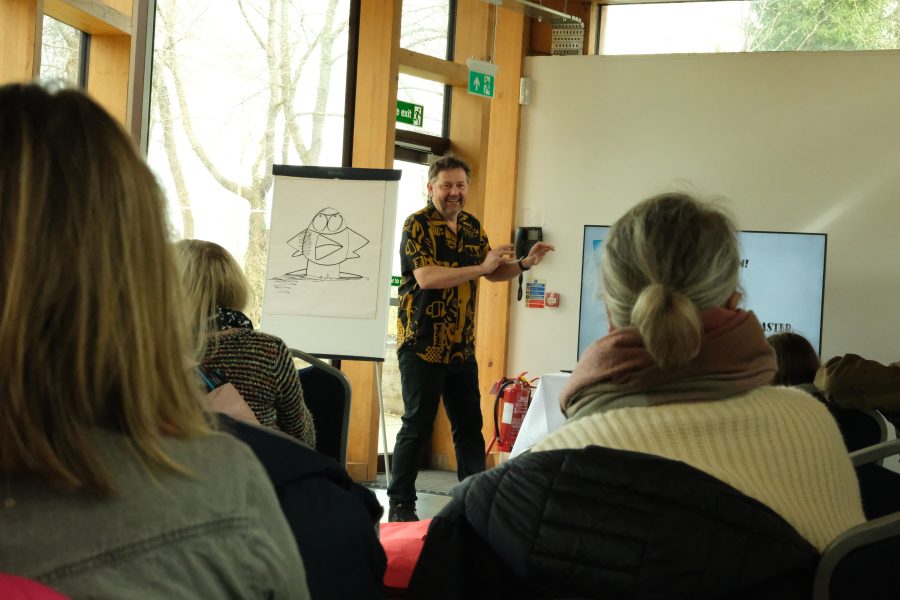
(611, 524)
(333, 519)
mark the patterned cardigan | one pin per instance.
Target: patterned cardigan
(261, 368)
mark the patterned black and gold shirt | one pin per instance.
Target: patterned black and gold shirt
(439, 325)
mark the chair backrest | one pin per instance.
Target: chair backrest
(860, 563)
(859, 428)
(878, 485)
(327, 393)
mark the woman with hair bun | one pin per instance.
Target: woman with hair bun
(685, 374)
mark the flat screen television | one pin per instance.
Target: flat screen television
(782, 281)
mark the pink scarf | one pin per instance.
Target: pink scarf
(618, 371)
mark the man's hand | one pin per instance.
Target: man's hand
(536, 254)
(496, 257)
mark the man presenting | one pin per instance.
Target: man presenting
(443, 253)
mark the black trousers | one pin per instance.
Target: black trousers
(423, 384)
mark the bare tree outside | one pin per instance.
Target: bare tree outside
(237, 87)
(61, 48)
(823, 25)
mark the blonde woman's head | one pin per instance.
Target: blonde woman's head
(91, 332)
(665, 261)
(211, 278)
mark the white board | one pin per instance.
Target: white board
(328, 275)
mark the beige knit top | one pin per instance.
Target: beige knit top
(775, 444)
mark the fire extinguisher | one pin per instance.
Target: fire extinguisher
(515, 396)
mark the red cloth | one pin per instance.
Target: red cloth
(402, 544)
(17, 588)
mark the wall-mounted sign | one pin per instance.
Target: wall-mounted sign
(410, 113)
(481, 77)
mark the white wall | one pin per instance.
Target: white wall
(795, 142)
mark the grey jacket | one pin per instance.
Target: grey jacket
(218, 533)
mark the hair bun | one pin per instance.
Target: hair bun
(670, 324)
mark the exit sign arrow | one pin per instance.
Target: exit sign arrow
(481, 77)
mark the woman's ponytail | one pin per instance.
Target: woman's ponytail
(670, 325)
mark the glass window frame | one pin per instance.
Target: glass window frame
(84, 52)
(412, 146)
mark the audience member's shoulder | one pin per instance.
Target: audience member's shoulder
(850, 372)
(254, 340)
(800, 396)
(267, 339)
(217, 455)
(773, 400)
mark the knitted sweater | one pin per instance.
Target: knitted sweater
(775, 444)
(261, 368)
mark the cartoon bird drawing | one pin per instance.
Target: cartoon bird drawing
(326, 243)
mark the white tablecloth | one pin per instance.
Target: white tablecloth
(543, 415)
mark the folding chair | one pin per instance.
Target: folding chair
(327, 392)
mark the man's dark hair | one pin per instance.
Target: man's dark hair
(447, 162)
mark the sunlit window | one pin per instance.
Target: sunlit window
(424, 27)
(427, 94)
(62, 49)
(238, 86)
(751, 26)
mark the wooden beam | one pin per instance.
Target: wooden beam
(373, 146)
(433, 69)
(126, 7)
(107, 80)
(91, 16)
(592, 41)
(20, 42)
(468, 139)
(362, 439)
(468, 113)
(376, 84)
(501, 175)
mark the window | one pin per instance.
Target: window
(428, 94)
(425, 27)
(752, 26)
(237, 87)
(63, 53)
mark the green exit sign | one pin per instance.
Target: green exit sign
(410, 113)
(395, 280)
(481, 77)
(481, 84)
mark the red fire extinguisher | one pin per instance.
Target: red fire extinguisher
(512, 398)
